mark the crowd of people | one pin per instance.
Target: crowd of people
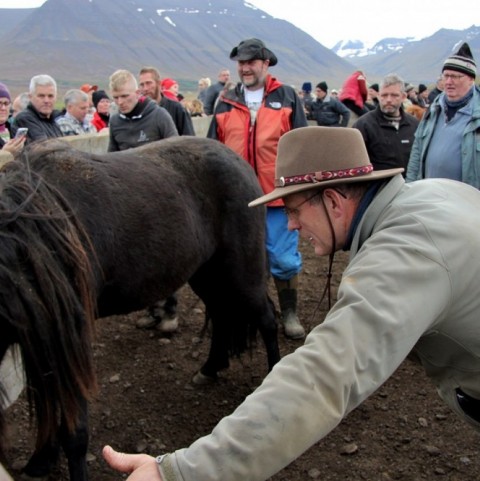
(88, 109)
(328, 109)
(411, 283)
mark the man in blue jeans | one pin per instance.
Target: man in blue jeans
(250, 119)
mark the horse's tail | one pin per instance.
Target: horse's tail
(47, 305)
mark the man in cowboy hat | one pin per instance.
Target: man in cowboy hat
(411, 287)
(250, 119)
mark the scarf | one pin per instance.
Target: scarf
(453, 106)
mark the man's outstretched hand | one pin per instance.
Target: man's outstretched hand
(141, 467)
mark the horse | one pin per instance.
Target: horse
(84, 236)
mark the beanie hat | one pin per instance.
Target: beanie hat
(4, 93)
(421, 88)
(307, 87)
(167, 83)
(462, 61)
(374, 87)
(99, 95)
(322, 86)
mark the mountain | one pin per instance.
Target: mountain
(417, 61)
(11, 17)
(353, 49)
(79, 41)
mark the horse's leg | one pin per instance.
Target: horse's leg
(75, 445)
(243, 306)
(269, 331)
(42, 460)
(218, 356)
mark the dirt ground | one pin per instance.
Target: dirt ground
(147, 404)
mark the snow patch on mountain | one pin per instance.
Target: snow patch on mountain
(357, 48)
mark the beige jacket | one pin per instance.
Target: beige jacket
(413, 282)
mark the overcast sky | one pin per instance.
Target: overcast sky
(368, 20)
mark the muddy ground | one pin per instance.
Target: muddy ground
(147, 404)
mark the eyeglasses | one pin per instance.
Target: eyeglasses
(5, 104)
(451, 76)
(294, 212)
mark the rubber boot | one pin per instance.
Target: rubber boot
(287, 298)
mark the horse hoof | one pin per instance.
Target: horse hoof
(201, 380)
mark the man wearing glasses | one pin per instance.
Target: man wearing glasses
(9, 144)
(445, 141)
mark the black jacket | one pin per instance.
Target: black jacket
(387, 147)
(181, 118)
(211, 96)
(328, 112)
(39, 126)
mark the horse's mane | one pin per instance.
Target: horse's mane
(47, 305)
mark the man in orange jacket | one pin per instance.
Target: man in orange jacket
(250, 119)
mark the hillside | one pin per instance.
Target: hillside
(82, 40)
(79, 41)
(416, 61)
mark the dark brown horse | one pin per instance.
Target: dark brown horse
(85, 236)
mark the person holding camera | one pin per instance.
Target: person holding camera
(8, 143)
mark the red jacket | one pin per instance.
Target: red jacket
(280, 112)
(98, 122)
(355, 88)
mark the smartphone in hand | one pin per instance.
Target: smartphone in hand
(21, 132)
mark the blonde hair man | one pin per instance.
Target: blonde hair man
(139, 119)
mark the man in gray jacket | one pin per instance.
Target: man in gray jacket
(139, 119)
(411, 287)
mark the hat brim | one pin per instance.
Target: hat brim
(280, 192)
(239, 57)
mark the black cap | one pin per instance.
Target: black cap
(322, 86)
(307, 87)
(374, 87)
(99, 95)
(253, 49)
(421, 88)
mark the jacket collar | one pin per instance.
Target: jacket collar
(380, 202)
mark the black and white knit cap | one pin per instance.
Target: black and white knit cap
(462, 61)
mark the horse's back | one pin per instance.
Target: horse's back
(159, 214)
(181, 169)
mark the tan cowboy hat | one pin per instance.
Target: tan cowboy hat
(313, 157)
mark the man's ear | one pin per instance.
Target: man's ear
(334, 202)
